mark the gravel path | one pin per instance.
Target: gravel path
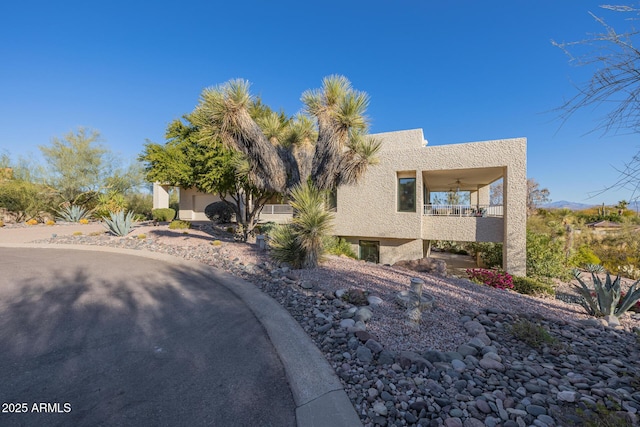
(462, 367)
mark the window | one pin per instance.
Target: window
(332, 200)
(406, 194)
(370, 251)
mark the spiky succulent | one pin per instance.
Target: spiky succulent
(606, 301)
(119, 223)
(594, 268)
(72, 213)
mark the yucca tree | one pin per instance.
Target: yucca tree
(327, 145)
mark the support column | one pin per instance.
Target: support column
(160, 196)
(514, 248)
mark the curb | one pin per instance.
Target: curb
(317, 392)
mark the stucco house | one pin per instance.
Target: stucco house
(391, 214)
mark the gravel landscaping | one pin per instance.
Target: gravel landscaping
(480, 356)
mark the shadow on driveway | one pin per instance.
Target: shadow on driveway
(131, 341)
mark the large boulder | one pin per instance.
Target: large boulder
(425, 265)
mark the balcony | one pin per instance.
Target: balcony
(478, 211)
(463, 223)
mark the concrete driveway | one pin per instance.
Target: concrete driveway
(114, 339)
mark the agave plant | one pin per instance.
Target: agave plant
(607, 296)
(72, 213)
(594, 268)
(119, 223)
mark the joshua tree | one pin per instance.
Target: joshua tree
(283, 154)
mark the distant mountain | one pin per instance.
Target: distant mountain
(574, 206)
(564, 204)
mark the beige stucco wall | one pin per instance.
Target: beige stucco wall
(192, 204)
(462, 229)
(370, 207)
(391, 250)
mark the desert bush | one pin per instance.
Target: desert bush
(490, 253)
(545, 256)
(607, 299)
(532, 334)
(532, 286)
(72, 213)
(494, 278)
(163, 214)
(109, 202)
(140, 204)
(219, 212)
(338, 246)
(583, 256)
(24, 199)
(178, 224)
(265, 228)
(119, 223)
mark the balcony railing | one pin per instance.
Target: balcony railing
(285, 209)
(463, 210)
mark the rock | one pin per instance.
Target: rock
(380, 409)
(427, 265)
(364, 354)
(567, 396)
(363, 336)
(487, 363)
(453, 422)
(483, 406)
(536, 410)
(386, 357)
(374, 300)
(363, 314)
(347, 323)
(374, 346)
(340, 293)
(474, 328)
(612, 321)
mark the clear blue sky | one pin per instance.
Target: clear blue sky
(462, 71)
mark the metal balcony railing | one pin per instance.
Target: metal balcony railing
(464, 210)
(285, 209)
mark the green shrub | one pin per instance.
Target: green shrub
(545, 256)
(265, 228)
(140, 204)
(179, 225)
(25, 199)
(219, 212)
(531, 286)
(163, 214)
(583, 256)
(490, 253)
(119, 223)
(338, 246)
(532, 334)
